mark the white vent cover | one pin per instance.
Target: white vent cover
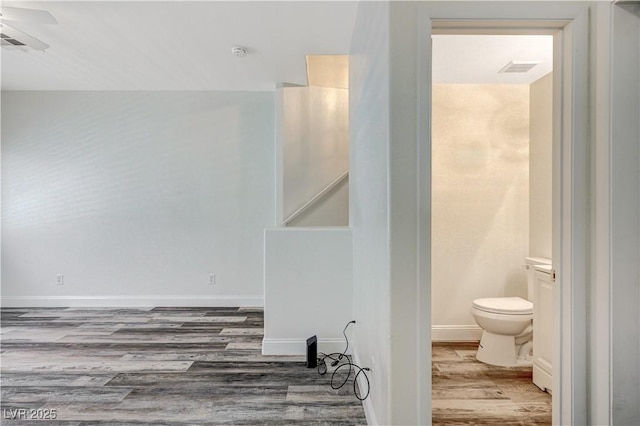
(9, 41)
(518, 67)
(13, 38)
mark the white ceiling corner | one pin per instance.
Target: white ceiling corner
(478, 59)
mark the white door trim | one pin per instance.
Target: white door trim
(570, 215)
(571, 221)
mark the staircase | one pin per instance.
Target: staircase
(313, 146)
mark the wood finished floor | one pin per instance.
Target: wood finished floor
(468, 392)
(203, 366)
(162, 366)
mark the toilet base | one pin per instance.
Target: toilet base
(500, 350)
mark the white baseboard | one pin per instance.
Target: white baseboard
(129, 301)
(297, 346)
(456, 333)
(367, 404)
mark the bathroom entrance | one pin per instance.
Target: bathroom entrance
(491, 225)
(569, 26)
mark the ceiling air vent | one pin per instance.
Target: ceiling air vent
(13, 38)
(518, 67)
(9, 41)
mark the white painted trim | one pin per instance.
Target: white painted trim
(424, 186)
(570, 219)
(298, 346)
(600, 316)
(456, 333)
(367, 404)
(130, 301)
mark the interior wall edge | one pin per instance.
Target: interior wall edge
(367, 404)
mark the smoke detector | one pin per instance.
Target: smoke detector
(239, 51)
(518, 67)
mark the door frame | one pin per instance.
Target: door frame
(569, 23)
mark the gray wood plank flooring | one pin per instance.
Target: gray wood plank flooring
(161, 366)
(171, 366)
(468, 392)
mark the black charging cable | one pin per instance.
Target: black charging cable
(342, 360)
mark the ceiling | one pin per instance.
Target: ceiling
(467, 59)
(186, 45)
(176, 45)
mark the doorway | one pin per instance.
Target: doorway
(569, 26)
(491, 152)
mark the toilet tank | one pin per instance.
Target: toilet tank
(530, 262)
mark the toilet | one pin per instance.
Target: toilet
(506, 322)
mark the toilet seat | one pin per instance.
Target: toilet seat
(504, 305)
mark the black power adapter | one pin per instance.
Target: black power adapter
(312, 352)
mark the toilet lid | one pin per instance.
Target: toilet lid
(504, 305)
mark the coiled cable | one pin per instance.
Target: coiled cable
(341, 361)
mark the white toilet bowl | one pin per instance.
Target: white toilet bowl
(507, 330)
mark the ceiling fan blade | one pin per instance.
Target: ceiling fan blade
(13, 37)
(20, 14)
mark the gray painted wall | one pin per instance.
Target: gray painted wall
(369, 200)
(376, 213)
(625, 211)
(136, 195)
(384, 210)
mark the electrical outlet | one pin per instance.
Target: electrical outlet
(212, 279)
(373, 362)
(60, 279)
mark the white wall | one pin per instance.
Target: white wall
(315, 146)
(625, 211)
(331, 210)
(136, 197)
(540, 162)
(480, 200)
(621, 402)
(368, 208)
(386, 160)
(308, 289)
(409, 221)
